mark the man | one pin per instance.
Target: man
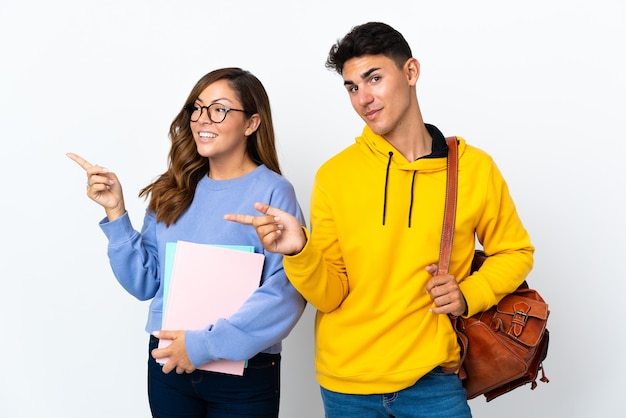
(369, 265)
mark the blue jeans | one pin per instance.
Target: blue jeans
(436, 395)
(204, 394)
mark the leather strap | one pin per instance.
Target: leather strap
(447, 235)
(449, 216)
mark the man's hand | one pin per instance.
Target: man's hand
(445, 293)
(278, 231)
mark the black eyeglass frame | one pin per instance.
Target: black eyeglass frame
(191, 108)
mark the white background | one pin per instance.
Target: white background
(537, 84)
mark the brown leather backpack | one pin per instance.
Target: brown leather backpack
(503, 347)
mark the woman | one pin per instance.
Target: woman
(222, 160)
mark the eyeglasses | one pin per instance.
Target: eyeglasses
(217, 112)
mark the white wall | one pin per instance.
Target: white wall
(538, 84)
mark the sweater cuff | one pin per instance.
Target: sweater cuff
(119, 230)
(194, 345)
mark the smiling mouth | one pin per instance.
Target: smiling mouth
(371, 114)
(206, 135)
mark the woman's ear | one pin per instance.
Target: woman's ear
(253, 124)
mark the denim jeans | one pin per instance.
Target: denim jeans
(204, 394)
(436, 395)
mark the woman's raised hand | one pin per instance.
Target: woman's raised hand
(103, 187)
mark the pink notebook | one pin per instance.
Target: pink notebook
(207, 283)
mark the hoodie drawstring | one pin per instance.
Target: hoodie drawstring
(386, 181)
(411, 203)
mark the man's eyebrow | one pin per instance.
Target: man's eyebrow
(363, 76)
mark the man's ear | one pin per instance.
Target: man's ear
(412, 70)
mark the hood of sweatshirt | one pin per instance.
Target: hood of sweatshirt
(382, 150)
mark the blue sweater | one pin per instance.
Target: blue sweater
(267, 317)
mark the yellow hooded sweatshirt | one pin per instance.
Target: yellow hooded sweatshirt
(376, 223)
